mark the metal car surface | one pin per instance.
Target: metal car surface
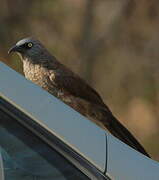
(105, 154)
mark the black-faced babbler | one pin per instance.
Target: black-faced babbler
(46, 71)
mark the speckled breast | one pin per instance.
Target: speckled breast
(39, 75)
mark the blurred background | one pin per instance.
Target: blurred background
(113, 44)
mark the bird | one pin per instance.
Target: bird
(42, 68)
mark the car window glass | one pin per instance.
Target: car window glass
(27, 157)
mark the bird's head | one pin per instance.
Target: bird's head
(29, 48)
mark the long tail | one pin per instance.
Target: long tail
(119, 131)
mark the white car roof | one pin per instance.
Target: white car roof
(104, 151)
(125, 163)
(68, 125)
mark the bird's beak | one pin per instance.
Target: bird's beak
(13, 49)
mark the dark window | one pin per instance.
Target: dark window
(27, 157)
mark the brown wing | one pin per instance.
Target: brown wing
(73, 84)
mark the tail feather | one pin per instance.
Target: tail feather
(119, 131)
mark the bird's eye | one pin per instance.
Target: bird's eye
(30, 45)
